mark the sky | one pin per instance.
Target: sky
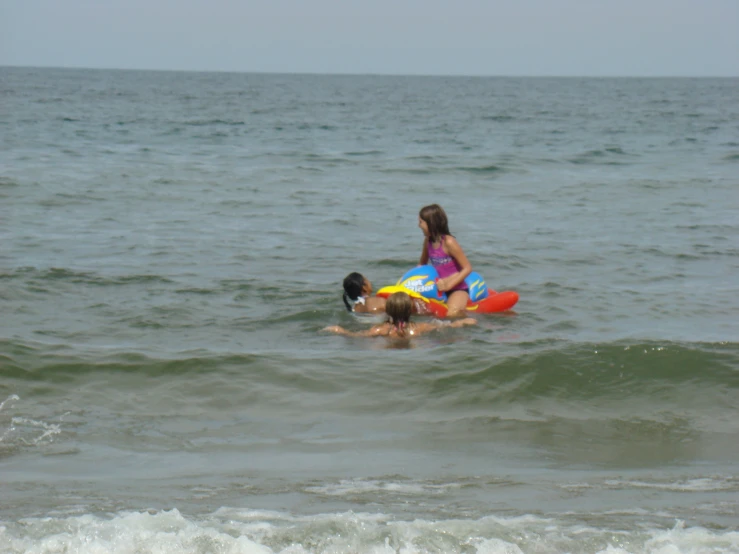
(413, 37)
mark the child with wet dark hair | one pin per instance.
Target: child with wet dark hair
(357, 299)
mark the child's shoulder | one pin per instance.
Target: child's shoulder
(375, 304)
(381, 329)
(449, 240)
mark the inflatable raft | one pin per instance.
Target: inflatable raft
(420, 282)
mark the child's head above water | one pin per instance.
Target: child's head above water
(399, 307)
(355, 285)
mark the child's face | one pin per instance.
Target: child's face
(367, 287)
(423, 226)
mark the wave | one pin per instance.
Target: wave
(499, 118)
(600, 369)
(207, 122)
(7, 182)
(19, 432)
(365, 153)
(492, 168)
(605, 156)
(328, 159)
(440, 169)
(642, 404)
(548, 369)
(51, 363)
(53, 274)
(263, 531)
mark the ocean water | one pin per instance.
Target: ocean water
(172, 245)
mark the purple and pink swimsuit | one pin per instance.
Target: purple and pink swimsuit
(444, 264)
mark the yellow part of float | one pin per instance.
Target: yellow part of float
(392, 289)
(495, 301)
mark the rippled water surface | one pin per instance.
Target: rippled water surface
(173, 244)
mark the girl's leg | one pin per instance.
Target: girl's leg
(457, 302)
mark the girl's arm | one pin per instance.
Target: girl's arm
(425, 252)
(376, 331)
(421, 328)
(464, 322)
(452, 247)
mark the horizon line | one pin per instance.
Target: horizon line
(370, 74)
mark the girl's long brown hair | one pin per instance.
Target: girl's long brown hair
(435, 217)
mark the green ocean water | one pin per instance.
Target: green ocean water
(173, 244)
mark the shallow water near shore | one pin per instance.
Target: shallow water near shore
(173, 244)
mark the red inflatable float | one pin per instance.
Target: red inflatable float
(420, 282)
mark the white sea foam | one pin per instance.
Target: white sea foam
(358, 486)
(11, 398)
(262, 532)
(703, 484)
(5, 431)
(699, 484)
(45, 430)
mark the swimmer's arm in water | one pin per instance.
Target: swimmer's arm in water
(464, 322)
(376, 331)
(425, 327)
(384, 329)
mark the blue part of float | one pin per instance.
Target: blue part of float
(422, 279)
(477, 286)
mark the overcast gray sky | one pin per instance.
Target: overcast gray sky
(433, 37)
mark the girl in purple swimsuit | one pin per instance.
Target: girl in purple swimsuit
(441, 250)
